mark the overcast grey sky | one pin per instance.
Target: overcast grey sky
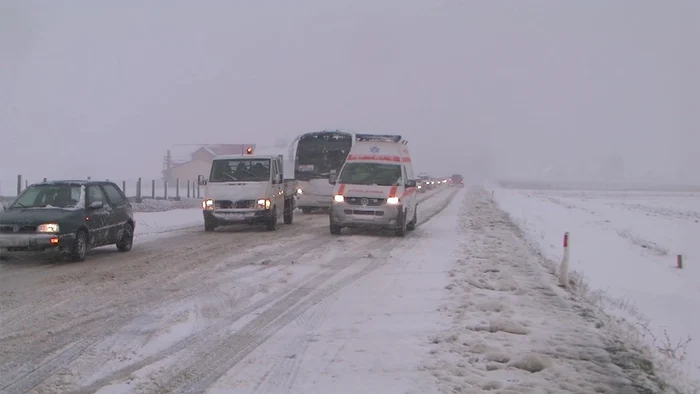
(103, 88)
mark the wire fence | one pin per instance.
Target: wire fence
(136, 189)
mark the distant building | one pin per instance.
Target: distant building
(187, 162)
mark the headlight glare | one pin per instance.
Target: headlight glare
(47, 228)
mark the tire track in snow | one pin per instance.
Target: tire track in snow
(281, 376)
(332, 268)
(95, 326)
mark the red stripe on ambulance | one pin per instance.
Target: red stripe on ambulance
(392, 192)
(396, 159)
(341, 189)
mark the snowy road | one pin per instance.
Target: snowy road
(459, 305)
(192, 296)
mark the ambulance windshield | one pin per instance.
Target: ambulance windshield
(371, 174)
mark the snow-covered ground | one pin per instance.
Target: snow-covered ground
(462, 304)
(625, 246)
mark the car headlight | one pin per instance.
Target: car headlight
(338, 198)
(392, 200)
(263, 203)
(299, 191)
(47, 228)
(208, 204)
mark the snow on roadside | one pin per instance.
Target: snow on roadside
(150, 205)
(514, 330)
(623, 246)
(150, 223)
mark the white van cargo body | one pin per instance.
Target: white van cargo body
(249, 188)
(375, 187)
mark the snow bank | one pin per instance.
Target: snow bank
(625, 244)
(514, 330)
(150, 205)
(149, 223)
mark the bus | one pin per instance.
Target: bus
(316, 155)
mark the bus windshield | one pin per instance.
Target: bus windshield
(320, 153)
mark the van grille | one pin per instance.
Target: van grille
(371, 202)
(240, 204)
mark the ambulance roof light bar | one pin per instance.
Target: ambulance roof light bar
(380, 138)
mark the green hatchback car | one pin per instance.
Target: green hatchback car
(67, 217)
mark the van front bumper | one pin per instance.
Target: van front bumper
(359, 216)
(223, 217)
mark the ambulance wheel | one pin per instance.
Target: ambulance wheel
(412, 225)
(401, 230)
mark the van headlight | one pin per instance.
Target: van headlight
(208, 204)
(338, 198)
(263, 203)
(299, 191)
(47, 228)
(392, 200)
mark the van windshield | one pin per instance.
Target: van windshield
(371, 174)
(242, 170)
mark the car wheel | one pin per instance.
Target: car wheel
(80, 246)
(127, 241)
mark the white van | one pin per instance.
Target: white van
(375, 187)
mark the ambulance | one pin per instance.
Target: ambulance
(375, 188)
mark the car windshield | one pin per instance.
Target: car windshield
(64, 196)
(371, 174)
(245, 170)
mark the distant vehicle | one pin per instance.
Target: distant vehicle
(68, 218)
(457, 180)
(375, 187)
(248, 189)
(316, 155)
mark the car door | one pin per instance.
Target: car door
(98, 219)
(120, 206)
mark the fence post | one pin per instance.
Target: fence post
(153, 189)
(26, 183)
(188, 188)
(44, 179)
(564, 267)
(165, 188)
(177, 188)
(138, 190)
(679, 261)
(19, 184)
(124, 187)
(198, 194)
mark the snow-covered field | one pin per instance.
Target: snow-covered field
(624, 245)
(463, 304)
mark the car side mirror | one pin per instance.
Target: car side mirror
(411, 183)
(332, 178)
(201, 180)
(96, 205)
(278, 179)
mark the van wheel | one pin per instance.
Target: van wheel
(412, 225)
(288, 213)
(401, 230)
(272, 221)
(306, 210)
(80, 246)
(335, 229)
